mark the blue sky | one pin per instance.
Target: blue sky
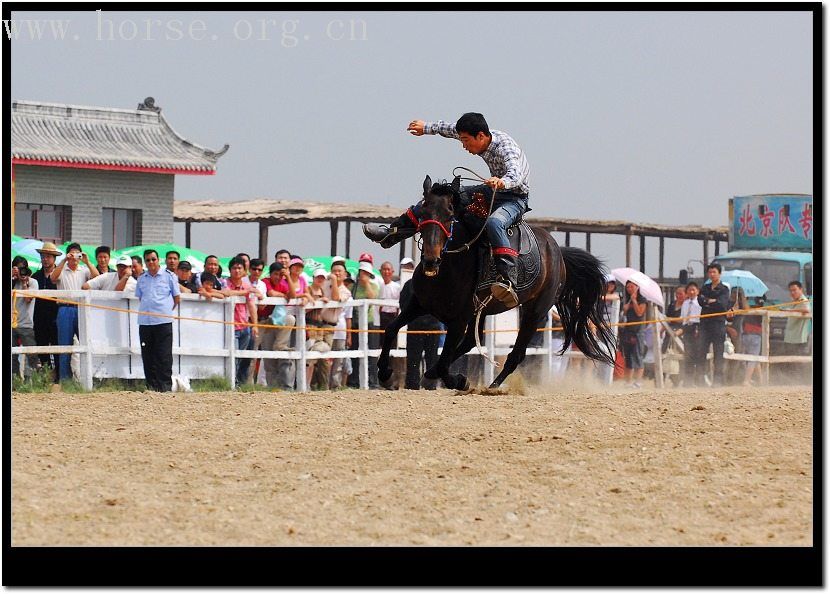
(655, 117)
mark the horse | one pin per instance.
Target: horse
(446, 284)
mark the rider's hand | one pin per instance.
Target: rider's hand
(416, 127)
(496, 183)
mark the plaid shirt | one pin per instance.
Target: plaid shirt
(504, 158)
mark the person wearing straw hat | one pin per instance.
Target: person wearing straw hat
(46, 311)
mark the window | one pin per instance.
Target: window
(120, 227)
(776, 274)
(41, 221)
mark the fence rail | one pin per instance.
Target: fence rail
(204, 344)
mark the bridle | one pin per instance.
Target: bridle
(448, 233)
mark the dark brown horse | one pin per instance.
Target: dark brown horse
(445, 281)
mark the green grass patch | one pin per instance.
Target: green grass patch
(216, 383)
(41, 381)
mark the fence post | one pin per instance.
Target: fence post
(656, 347)
(230, 341)
(490, 346)
(302, 380)
(615, 330)
(547, 342)
(83, 340)
(363, 345)
(765, 347)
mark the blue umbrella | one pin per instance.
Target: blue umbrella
(751, 284)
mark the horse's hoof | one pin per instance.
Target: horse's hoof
(431, 374)
(384, 375)
(457, 382)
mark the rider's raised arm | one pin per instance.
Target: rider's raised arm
(445, 129)
(514, 161)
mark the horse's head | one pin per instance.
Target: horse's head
(437, 220)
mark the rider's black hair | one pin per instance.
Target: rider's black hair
(472, 123)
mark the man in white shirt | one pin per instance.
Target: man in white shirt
(70, 276)
(694, 360)
(120, 280)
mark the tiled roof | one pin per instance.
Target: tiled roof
(81, 136)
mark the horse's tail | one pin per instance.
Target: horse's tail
(580, 302)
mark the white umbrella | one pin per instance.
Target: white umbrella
(648, 287)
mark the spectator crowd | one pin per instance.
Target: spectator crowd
(265, 327)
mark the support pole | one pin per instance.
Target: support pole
(717, 247)
(587, 242)
(348, 238)
(230, 341)
(333, 225)
(187, 234)
(705, 254)
(628, 249)
(567, 239)
(263, 241)
(642, 253)
(662, 256)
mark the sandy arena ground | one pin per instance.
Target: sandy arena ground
(567, 467)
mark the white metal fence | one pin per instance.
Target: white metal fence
(204, 344)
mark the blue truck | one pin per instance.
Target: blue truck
(771, 235)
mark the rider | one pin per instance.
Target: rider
(508, 169)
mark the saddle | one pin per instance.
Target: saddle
(523, 240)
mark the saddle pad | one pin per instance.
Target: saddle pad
(523, 240)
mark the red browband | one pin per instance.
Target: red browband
(434, 222)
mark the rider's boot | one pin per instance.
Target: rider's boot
(388, 235)
(504, 288)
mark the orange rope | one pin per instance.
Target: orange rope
(15, 292)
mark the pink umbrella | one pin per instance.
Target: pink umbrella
(648, 288)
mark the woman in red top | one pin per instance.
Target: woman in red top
(750, 337)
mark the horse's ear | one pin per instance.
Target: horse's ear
(427, 184)
(456, 184)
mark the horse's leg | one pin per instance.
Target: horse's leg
(390, 335)
(469, 339)
(455, 334)
(526, 331)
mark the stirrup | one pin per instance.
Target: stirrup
(504, 293)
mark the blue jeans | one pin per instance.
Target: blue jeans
(67, 323)
(243, 342)
(506, 211)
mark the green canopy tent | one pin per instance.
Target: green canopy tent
(195, 257)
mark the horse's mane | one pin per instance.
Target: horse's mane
(442, 189)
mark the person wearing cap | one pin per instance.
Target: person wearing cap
(120, 280)
(23, 331)
(509, 171)
(70, 276)
(297, 279)
(187, 280)
(102, 258)
(46, 311)
(368, 288)
(158, 293)
(279, 373)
